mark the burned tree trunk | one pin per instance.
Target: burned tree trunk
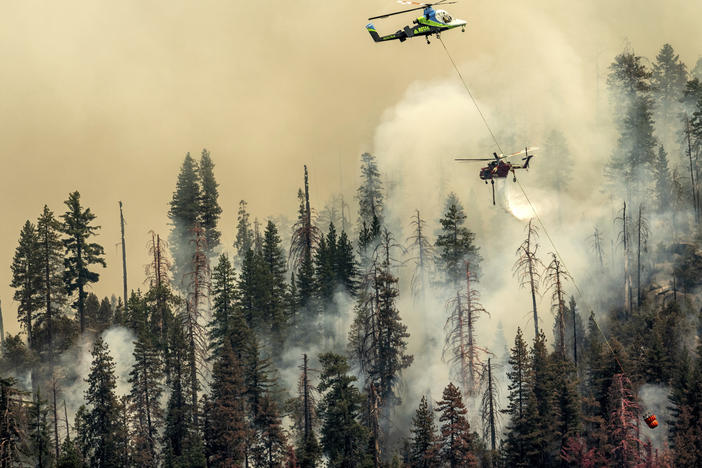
(554, 276)
(527, 266)
(124, 257)
(465, 354)
(198, 297)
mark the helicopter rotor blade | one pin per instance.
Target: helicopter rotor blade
(395, 13)
(530, 149)
(409, 2)
(473, 159)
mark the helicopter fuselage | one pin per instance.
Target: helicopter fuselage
(432, 22)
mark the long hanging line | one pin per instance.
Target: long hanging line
(543, 226)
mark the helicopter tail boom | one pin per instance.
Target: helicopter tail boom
(400, 35)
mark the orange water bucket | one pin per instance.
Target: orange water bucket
(651, 421)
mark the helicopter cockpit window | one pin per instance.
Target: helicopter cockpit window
(446, 18)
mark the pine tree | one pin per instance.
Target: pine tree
(623, 443)
(182, 445)
(455, 441)
(227, 433)
(456, 244)
(392, 334)
(345, 265)
(244, 234)
(324, 259)
(370, 201)
(224, 306)
(271, 437)
(52, 287)
(70, 455)
(80, 254)
(53, 294)
(39, 434)
(183, 214)
(668, 80)
(627, 79)
(305, 238)
(342, 436)
(308, 450)
(661, 174)
(521, 441)
(635, 152)
(101, 419)
(145, 399)
(555, 173)
(542, 378)
(274, 268)
(92, 305)
(26, 279)
(11, 423)
(209, 209)
(423, 448)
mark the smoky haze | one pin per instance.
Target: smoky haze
(106, 98)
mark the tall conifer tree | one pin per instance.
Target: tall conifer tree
(80, 254)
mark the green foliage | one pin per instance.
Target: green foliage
(26, 279)
(227, 431)
(39, 434)
(423, 447)
(522, 444)
(183, 214)
(80, 254)
(209, 209)
(145, 399)
(244, 234)
(455, 442)
(101, 421)
(343, 438)
(455, 244)
(370, 199)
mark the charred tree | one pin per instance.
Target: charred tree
(464, 311)
(642, 239)
(124, 258)
(423, 252)
(624, 239)
(527, 268)
(488, 407)
(196, 304)
(554, 277)
(596, 244)
(693, 181)
(308, 449)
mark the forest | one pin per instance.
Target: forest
(290, 348)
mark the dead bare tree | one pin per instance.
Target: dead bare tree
(423, 252)
(625, 241)
(554, 277)
(528, 267)
(596, 245)
(305, 234)
(158, 276)
(642, 236)
(693, 180)
(197, 306)
(464, 310)
(489, 410)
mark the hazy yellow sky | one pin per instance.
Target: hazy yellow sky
(106, 97)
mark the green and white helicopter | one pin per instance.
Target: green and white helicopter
(433, 22)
